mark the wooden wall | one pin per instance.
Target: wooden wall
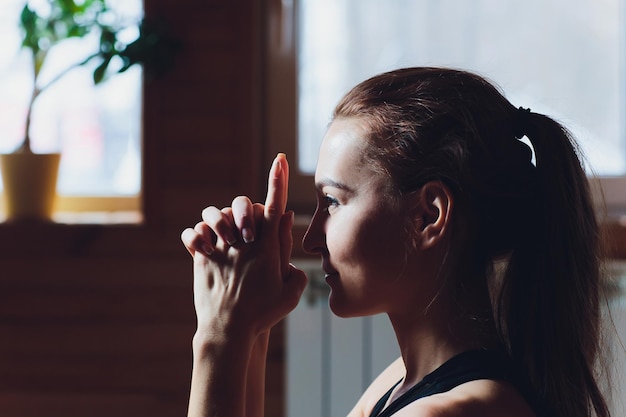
(98, 320)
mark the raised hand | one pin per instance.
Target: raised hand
(243, 281)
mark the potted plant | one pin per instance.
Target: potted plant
(30, 179)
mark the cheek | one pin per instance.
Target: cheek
(372, 242)
(340, 239)
(386, 242)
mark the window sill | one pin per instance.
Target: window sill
(94, 210)
(102, 217)
(94, 217)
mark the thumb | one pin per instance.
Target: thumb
(285, 242)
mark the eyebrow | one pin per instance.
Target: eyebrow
(327, 182)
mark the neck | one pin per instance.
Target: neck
(431, 338)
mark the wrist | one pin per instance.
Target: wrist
(210, 342)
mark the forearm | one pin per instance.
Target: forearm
(220, 369)
(255, 381)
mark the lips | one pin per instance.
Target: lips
(329, 271)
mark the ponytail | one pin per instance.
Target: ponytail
(548, 309)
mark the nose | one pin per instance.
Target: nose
(314, 240)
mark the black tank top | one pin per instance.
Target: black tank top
(464, 367)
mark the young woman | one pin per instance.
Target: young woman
(482, 251)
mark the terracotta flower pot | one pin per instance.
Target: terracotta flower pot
(29, 185)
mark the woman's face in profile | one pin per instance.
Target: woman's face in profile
(357, 228)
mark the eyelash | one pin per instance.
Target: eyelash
(330, 202)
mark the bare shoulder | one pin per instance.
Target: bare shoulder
(482, 398)
(391, 375)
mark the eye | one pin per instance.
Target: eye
(330, 202)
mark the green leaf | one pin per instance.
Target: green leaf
(28, 22)
(28, 19)
(154, 48)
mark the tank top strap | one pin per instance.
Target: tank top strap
(465, 367)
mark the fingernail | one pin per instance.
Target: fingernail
(277, 167)
(247, 235)
(231, 240)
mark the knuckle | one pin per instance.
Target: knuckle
(196, 242)
(272, 209)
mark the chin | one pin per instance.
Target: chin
(338, 307)
(341, 308)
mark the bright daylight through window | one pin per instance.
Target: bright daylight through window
(562, 59)
(96, 128)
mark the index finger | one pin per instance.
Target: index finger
(277, 185)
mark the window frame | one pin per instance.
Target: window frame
(99, 208)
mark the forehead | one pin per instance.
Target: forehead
(341, 157)
(342, 145)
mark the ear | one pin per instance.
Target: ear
(432, 214)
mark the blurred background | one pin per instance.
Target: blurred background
(96, 313)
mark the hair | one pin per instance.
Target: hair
(531, 207)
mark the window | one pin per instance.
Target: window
(96, 128)
(566, 61)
